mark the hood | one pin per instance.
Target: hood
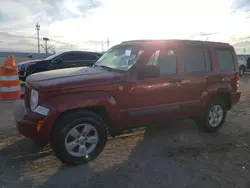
(28, 62)
(71, 78)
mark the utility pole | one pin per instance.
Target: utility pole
(108, 42)
(102, 46)
(38, 43)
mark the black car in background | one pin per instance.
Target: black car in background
(57, 61)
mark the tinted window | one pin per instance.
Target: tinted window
(166, 60)
(207, 59)
(225, 59)
(194, 60)
(89, 57)
(70, 57)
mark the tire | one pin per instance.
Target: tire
(22, 78)
(242, 70)
(203, 121)
(62, 132)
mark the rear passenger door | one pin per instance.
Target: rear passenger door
(227, 67)
(197, 74)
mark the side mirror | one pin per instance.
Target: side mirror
(149, 72)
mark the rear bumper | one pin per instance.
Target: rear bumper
(235, 98)
(26, 123)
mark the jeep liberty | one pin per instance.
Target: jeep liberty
(135, 83)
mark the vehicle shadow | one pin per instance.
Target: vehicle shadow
(176, 155)
(15, 152)
(173, 154)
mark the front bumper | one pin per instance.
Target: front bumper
(22, 75)
(27, 121)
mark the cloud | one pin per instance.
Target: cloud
(243, 5)
(25, 43)
(83, 24)
(18, 19)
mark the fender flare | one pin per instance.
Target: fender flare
(81, 100)
(217, 89)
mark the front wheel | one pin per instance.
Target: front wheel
(213, 117)
(79, 137)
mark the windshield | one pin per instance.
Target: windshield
(120, 57)
(53, 56)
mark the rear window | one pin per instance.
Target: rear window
(225, 59)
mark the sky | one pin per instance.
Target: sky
(84, 24)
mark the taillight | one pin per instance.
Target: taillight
(237, 81)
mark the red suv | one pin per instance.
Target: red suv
(135, 83)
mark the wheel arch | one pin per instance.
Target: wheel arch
(225, 96)
(244, 66)
(98, 110)
(100, 103)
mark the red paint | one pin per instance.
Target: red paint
(68, 89)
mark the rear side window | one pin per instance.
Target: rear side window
(225, 59)
(197, 59)
(70, 57)
(90, 57)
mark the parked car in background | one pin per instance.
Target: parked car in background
(57, 61)
(135, 83)
(242, 63)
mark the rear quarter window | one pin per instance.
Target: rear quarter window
(225, 60)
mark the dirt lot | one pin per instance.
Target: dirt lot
(174, 154)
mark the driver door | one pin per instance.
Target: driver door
(151, 99)
(67, 60)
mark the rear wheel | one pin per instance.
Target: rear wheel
(242, 70)
(213, 117)
(79, 137)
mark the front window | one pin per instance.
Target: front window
(120, 57)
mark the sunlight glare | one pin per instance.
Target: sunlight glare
(71, 6)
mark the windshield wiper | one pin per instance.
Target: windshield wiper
(103, 66)
(109, 68)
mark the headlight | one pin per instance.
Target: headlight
(33, 99)
(20, 66)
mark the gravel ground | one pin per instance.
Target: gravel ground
(175, 154)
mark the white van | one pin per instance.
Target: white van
(242, 62)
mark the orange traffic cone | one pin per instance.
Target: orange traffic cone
(9, 80)
(10, 62)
